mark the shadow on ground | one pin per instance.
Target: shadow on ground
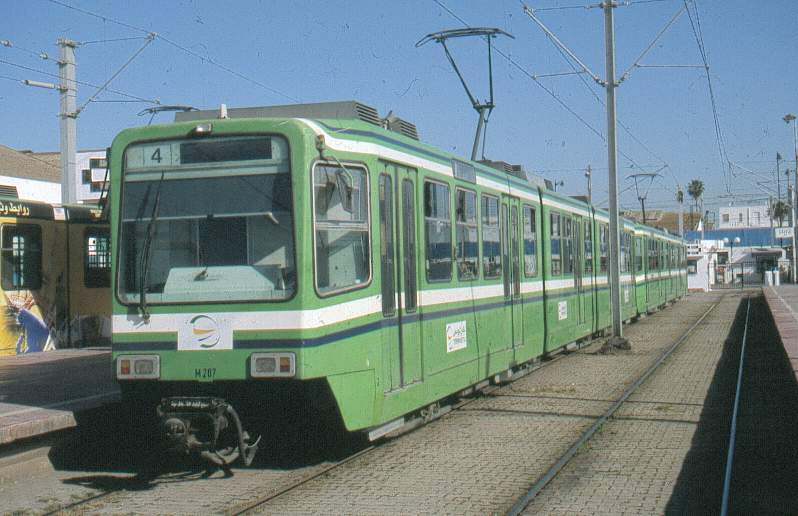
(765, 474)
(125, 456)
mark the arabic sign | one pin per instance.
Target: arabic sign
(25, 209)
(783, 232)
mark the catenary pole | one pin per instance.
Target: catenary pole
(612, 156)
(794, 200)
(589, 176)
(67, 115)
(681, 213)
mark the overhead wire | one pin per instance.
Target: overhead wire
(626, 128)
(544, 88)
(724, 159)
(115, 74)
(82, 83)
(177, 45)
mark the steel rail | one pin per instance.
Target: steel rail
(724, 509)
(455, 406)
(566, 457)
(248, 507)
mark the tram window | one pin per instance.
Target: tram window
(638, 254)
(567, 246)
(386, 246)
(530, 242)
(438, 228)
(588, 246)
(21, 257)
(652, 259)
(342, 228)
(97, 270)
(491, 263)
(213, 232)
(515, 259)
(603, 241)
(466, 231)
(409, 243)
(624, 253)
(556, 260)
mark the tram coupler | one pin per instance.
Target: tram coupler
(194, 425)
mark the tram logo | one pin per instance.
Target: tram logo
(205, 331)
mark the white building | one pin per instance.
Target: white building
(731, 217)
(91, 166)
(713, 264)
(25, 176)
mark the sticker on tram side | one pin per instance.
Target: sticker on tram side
(625, 294)
(562, 310)
(456, 337)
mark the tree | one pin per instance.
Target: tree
(780, 211)
(696, 190)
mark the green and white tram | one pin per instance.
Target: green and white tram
(319, 248)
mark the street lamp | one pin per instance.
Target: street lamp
(789, 117)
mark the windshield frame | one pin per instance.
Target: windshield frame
(119, 223)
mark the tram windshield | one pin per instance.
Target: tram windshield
(207, 220)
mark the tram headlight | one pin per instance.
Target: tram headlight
(135, 367)
(271, 365)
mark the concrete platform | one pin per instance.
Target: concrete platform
(783, 303)
(43, 392)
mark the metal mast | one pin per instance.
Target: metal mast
(67, 115)
(612, 157)
(482, 108)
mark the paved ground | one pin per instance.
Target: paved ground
(635, 464)
(40, 392)
(783, 303)
(478, 459)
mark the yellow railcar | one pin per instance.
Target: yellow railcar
(54, 277)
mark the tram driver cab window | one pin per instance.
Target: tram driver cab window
(207, 221)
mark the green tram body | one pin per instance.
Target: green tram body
(382, 360)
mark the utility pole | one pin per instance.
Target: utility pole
(67, 115)
(778, 183)
(612, 156)
(680, 199)
(589, 176)
(789, 117)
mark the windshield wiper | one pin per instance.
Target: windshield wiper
(144, 265)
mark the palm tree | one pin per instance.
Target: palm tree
(696, 190)
(780, 211)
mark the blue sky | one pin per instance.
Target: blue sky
(317, 51)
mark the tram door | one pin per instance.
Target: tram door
(511, 264)
(402, 360)
(578, 229)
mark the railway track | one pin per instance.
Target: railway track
(523, 501)
(97, 501)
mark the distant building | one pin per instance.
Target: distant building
(26, 176)
(91, 167)
(731, 217)
(36, 176)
